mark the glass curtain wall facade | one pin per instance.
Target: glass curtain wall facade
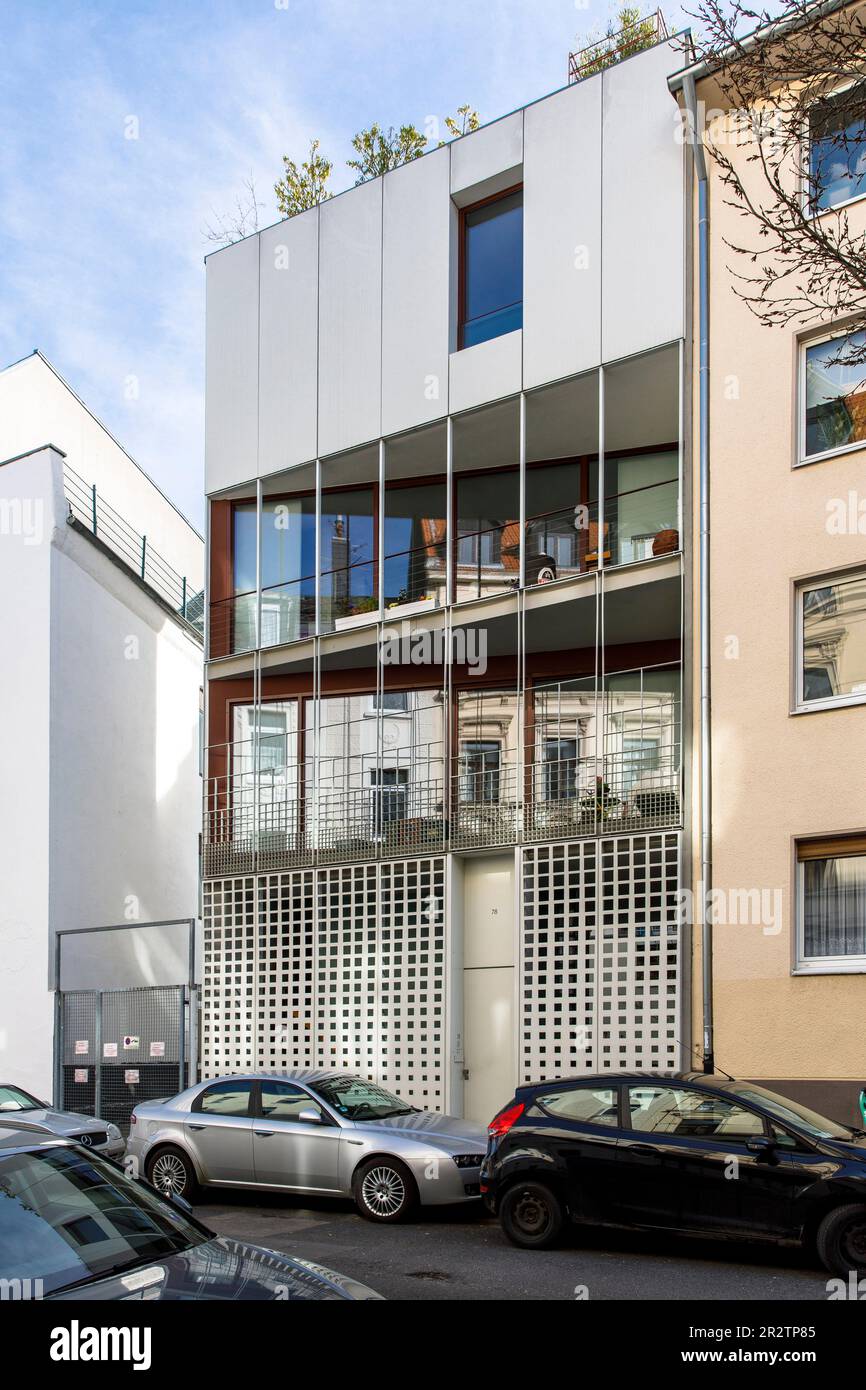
(429, 754)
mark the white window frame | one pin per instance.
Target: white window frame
(800, 704)
(817, 965)
(806, 163)
(802, 457)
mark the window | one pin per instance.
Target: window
(226, 1098)
(833, 395)
(587, 1105)
(640, 757)
(667, 1110)
(837, 149)
(13, 1098)
(479, 771)
(488, 533)
(560, 769)
(831, 904)
(414, 542)
(831, 633)
(390, 790)
(392, 701)
(68, 1216)
(492, 269)
(280, 1101)
(348, 583)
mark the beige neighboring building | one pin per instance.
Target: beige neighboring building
(787, 449)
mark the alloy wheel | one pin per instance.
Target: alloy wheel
(383, 1191)
(168, 1175)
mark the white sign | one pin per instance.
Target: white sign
(130, 1076)
(157, 1049)
(109, 1049)
(131, 1042)
(82, 1047)
(81, 1074)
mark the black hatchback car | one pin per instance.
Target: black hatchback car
(685, 1152)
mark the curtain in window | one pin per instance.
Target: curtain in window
(834, 906)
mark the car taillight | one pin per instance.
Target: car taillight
(501, 1123)
(132, 1119)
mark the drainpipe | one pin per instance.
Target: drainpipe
(706, 876)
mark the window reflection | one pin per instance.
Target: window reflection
(834, 640)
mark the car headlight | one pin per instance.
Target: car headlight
(113, 1132)
(468, 1160)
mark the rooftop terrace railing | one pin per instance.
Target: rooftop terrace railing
(635, 35)
(90, 509)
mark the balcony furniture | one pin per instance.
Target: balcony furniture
(592, 543)
(666, 542)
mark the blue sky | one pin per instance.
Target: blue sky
(102, 237)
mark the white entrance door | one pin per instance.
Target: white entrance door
(489, 1046)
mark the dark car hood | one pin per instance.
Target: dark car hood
(227, 1270)
(847, 1148)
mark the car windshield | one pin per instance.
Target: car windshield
(809, 1121)
(359, 1100)
(67, 1217)
(13, 1098)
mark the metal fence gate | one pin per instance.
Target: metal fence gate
(119, 1047)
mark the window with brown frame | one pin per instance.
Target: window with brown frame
(491, 268)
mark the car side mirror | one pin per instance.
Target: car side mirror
(309, 1117)
(761, 1145)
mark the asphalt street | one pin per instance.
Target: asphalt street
(462, 1254)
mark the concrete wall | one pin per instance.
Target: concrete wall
(349, 311)
(777, 776)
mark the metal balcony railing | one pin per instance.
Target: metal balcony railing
(90, 509)
(636, 35)
(277, 819)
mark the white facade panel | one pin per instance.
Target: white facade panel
(350, 318)
(562, 234)
(486, 372)
(415, 293)
(288, 342)
(481, 161)
(642, 206)
(232, 350)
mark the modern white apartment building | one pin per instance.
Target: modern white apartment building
(447, 766)
(100, 785)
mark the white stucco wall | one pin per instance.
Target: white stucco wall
(100, 796)
(37, 407)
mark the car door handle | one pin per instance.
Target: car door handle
(641, 1149)
(198, 1126)
(265, 1133)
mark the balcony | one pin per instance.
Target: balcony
(593, 763)
(89, 509)
(577, 477)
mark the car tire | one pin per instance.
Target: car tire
(531, 1216)
(384, 1190)
(170, 1171)
(841, 1240)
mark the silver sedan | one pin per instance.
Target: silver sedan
(323, 1132)
(25, 1111)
